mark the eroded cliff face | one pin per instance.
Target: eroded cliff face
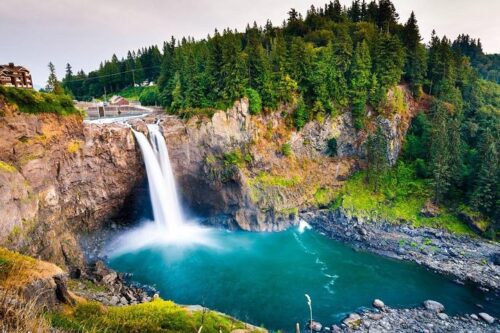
(60, 177)
(256, 172)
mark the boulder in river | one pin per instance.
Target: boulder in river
(378, 304)
(486, 317)
(434, 306)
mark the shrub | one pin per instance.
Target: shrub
(331, 147)
(254, 100)
(286, 149)
(300, 116)
(150, 96)
(31, 101)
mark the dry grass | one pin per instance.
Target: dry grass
(17, 270)
(18, 314)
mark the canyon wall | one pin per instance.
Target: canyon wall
(61, 177)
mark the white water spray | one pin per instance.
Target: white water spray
(170, 226)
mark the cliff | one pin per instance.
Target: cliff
(256, 172)
(61, 177)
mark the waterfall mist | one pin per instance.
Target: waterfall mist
(169, 225)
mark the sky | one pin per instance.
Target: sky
(86, 32)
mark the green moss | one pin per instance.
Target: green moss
(6, 167)
(74, 146)
(75, 284)
(265, 179)
(157, 316)
(323, 196)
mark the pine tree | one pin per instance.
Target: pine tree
(177, 98)
(416, 55)
(359, 82)
(486, 192)
(387, 16)
(259, 69)
(53, 85)
(233, 68)
(388, 62)
(377, 157)
(440, 151)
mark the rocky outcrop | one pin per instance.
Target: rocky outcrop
(60, 177)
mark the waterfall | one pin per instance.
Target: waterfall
(164, 199)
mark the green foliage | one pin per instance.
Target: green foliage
(150, 96)
(331, 147)
(359, 83)
(286, 149)
(376, 148)
(234, 157)
(31, 101)
(267, 179)
(153, 317)
(400, 197)
(254, 100)
(300, 115)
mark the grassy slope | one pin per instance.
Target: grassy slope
(17, 270)
(400, 198)
(156, 316)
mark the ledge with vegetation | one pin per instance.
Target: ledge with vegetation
(34, 102)
(19, 272)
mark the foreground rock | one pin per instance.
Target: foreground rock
(467, 259)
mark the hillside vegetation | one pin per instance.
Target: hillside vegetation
(31, 101)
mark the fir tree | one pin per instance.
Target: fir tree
(377, 157)
(485, 196)
(359, 82)
(53, 85)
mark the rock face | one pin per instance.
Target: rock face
(262, 187)
(60, 177)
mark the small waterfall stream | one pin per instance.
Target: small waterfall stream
(164, 199)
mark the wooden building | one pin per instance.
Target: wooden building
(15, 76)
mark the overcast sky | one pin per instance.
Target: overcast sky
(85, 32)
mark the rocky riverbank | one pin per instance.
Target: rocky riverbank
(430, 317)
(468, 260)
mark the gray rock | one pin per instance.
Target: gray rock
(433, 306)
(474, 316)
(487, 318)
(315, 326)
(114, 300)
(443, 316)
(353, 320)
(378, 304)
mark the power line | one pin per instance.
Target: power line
(109, 75)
